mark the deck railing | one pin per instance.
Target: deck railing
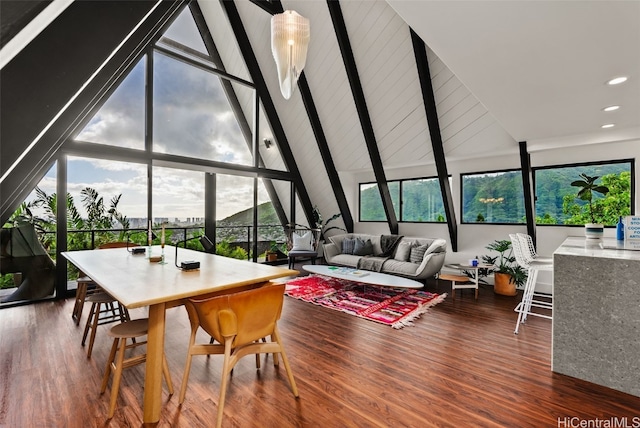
(236, 236)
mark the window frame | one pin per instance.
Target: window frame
(631, 161)
(400, 200)
(486, 223)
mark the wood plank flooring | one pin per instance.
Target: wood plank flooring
(460, 365)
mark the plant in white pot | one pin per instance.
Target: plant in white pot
(587, 186)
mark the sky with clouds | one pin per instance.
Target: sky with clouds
(191, 117)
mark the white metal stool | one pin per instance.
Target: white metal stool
(530, 299)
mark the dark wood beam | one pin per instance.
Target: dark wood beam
(271, 7)
(424, 75)
(72, 70)
(527, 187)
(325, 153)
(321, 139)
(245, 128)
(340, 29)
(269, 108)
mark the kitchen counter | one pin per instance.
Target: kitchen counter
(596, 313)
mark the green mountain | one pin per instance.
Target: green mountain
(237, 226)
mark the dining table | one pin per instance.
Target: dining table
(138, 280)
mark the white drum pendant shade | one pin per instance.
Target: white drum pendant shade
(289, 41)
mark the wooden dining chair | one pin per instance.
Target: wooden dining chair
(104, 308)
(86, 286)
(238, 322)
(117, 362)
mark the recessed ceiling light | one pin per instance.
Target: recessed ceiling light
(617, 80)
(608, 125)
(611, 108)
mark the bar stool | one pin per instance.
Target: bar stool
(116, 363)
(529, 250)
(530, 299)
(104, 310)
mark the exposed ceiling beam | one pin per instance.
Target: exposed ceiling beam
(269, 6)
(325, 153)
(527, 186)
(16, 15)
(424, 75)
(321, 139)
(269, 108)
(64, 44)
(363, 112)
(230, 93)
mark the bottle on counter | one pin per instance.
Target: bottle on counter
(620, 230)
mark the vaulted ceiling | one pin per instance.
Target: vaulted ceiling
(501, 72)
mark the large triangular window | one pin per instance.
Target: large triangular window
(120, 120)
(190, 108)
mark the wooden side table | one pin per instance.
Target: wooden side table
(461, 282)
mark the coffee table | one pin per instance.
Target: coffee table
(363, 276)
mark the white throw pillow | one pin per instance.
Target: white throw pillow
(302, 243)
(403, 251)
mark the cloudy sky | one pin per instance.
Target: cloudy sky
(191, 117)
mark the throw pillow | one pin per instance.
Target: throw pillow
(347, 245)
(403, 251)
(302, 243)
(417, 254)
(362, 247)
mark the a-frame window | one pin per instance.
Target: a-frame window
(120, 120)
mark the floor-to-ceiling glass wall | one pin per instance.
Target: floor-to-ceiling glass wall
(178, 204)
(28, 246)
(147, 150)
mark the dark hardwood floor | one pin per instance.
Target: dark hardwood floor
(460, 365)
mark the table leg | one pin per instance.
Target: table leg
(152, 401)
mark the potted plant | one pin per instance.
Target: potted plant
(322, 225)
(272, 253)
(587, 186)
(507, 274)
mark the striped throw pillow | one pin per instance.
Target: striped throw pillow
(347, 245)
(417, 253)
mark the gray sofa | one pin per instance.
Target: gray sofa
(410, 257)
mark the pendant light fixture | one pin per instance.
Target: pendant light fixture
(289, 42)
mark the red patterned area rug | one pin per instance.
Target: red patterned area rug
(391, 306)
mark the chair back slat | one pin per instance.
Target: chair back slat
(256, 313)
(517, 251)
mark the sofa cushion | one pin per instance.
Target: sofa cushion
(302, 242)
(338, 239)
(417, 253)
(433, 244)
(348, 245)
(346, 260)
(362, 247)
(396, 267)
(403, 251)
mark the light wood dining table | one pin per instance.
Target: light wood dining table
(136, 282)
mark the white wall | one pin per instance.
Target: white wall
(472, 238)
